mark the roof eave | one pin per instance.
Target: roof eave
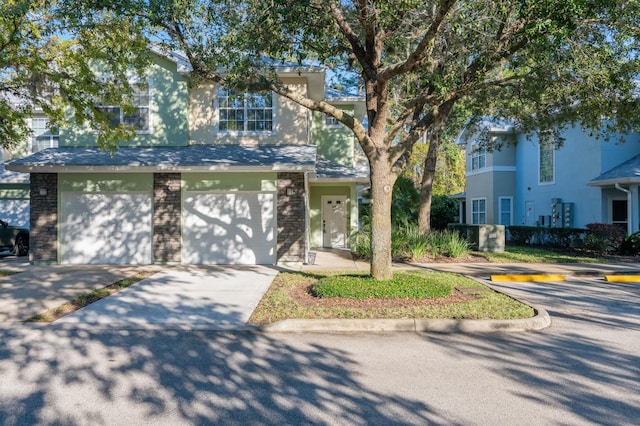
(45, 168)
(612, 182)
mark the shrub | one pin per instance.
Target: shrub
(603, 237)
(631, 245)
(408, 242)
(448, 243)
(444, 211)
(402, 285)
(360, 241)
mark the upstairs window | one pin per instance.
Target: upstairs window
(478, 158)
(139, 118)
(244, 112)
(43, 136)
(546, 159)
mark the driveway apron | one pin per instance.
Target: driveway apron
(205, 297)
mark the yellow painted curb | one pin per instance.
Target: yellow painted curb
(622, 278)
(527, 278)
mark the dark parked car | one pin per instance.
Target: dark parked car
(14, 239)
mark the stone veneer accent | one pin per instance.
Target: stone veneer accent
(43, 218)
(291, 217)
(167, 229)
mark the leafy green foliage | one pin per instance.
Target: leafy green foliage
(405, 201)
(49, 56)
(403, 285)
(631, 245)
(444, 211)
(409, 243)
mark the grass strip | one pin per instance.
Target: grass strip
(279, 303)
(7, 273)
(88, 298)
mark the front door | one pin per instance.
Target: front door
(334, 221)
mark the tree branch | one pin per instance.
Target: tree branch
(424, 48)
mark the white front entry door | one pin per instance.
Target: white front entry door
(334, 221)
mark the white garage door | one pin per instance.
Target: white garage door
(230, 228)
(15, 211)
(106, 228)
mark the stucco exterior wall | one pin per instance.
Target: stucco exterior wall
(168, 117)
(291, 121)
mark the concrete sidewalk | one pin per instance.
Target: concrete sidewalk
(36, 289)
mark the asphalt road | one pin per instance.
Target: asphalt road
(585, 369)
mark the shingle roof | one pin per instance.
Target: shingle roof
(326, 170)
(184, 158)
(7, 176)
(625, 173)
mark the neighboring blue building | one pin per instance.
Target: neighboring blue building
(530, 182)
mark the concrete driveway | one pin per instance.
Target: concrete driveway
(185, 297)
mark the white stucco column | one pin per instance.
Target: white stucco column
(634, 210)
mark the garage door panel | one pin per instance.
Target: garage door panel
(228, 228)
(114, 228)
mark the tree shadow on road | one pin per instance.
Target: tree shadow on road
(594, 379)
(76, 376)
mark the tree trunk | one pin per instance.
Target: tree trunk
(382, 180)
(426, 184)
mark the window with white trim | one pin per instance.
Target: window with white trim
(478, 158)
(245, 112)
(43, 136)
(506, 210)
(330, 122)
(546, 159)
(139, 118)
(479, 211)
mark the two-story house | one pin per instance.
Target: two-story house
(532, 182)
(212, 177)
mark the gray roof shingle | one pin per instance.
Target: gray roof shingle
(625, 173)
(184, 158)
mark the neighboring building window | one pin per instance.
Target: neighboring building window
(244, 112)
(479, 211)
(506, 212)
(139, 118)
(619, 213)
(330, 122)
(43, 135)
(478, 158)
(546, 162)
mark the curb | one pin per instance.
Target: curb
(528, 278)
(622, 278)
(540, 321)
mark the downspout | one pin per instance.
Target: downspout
(307, 238)
(629, 208)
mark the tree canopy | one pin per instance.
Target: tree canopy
(48, 57)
